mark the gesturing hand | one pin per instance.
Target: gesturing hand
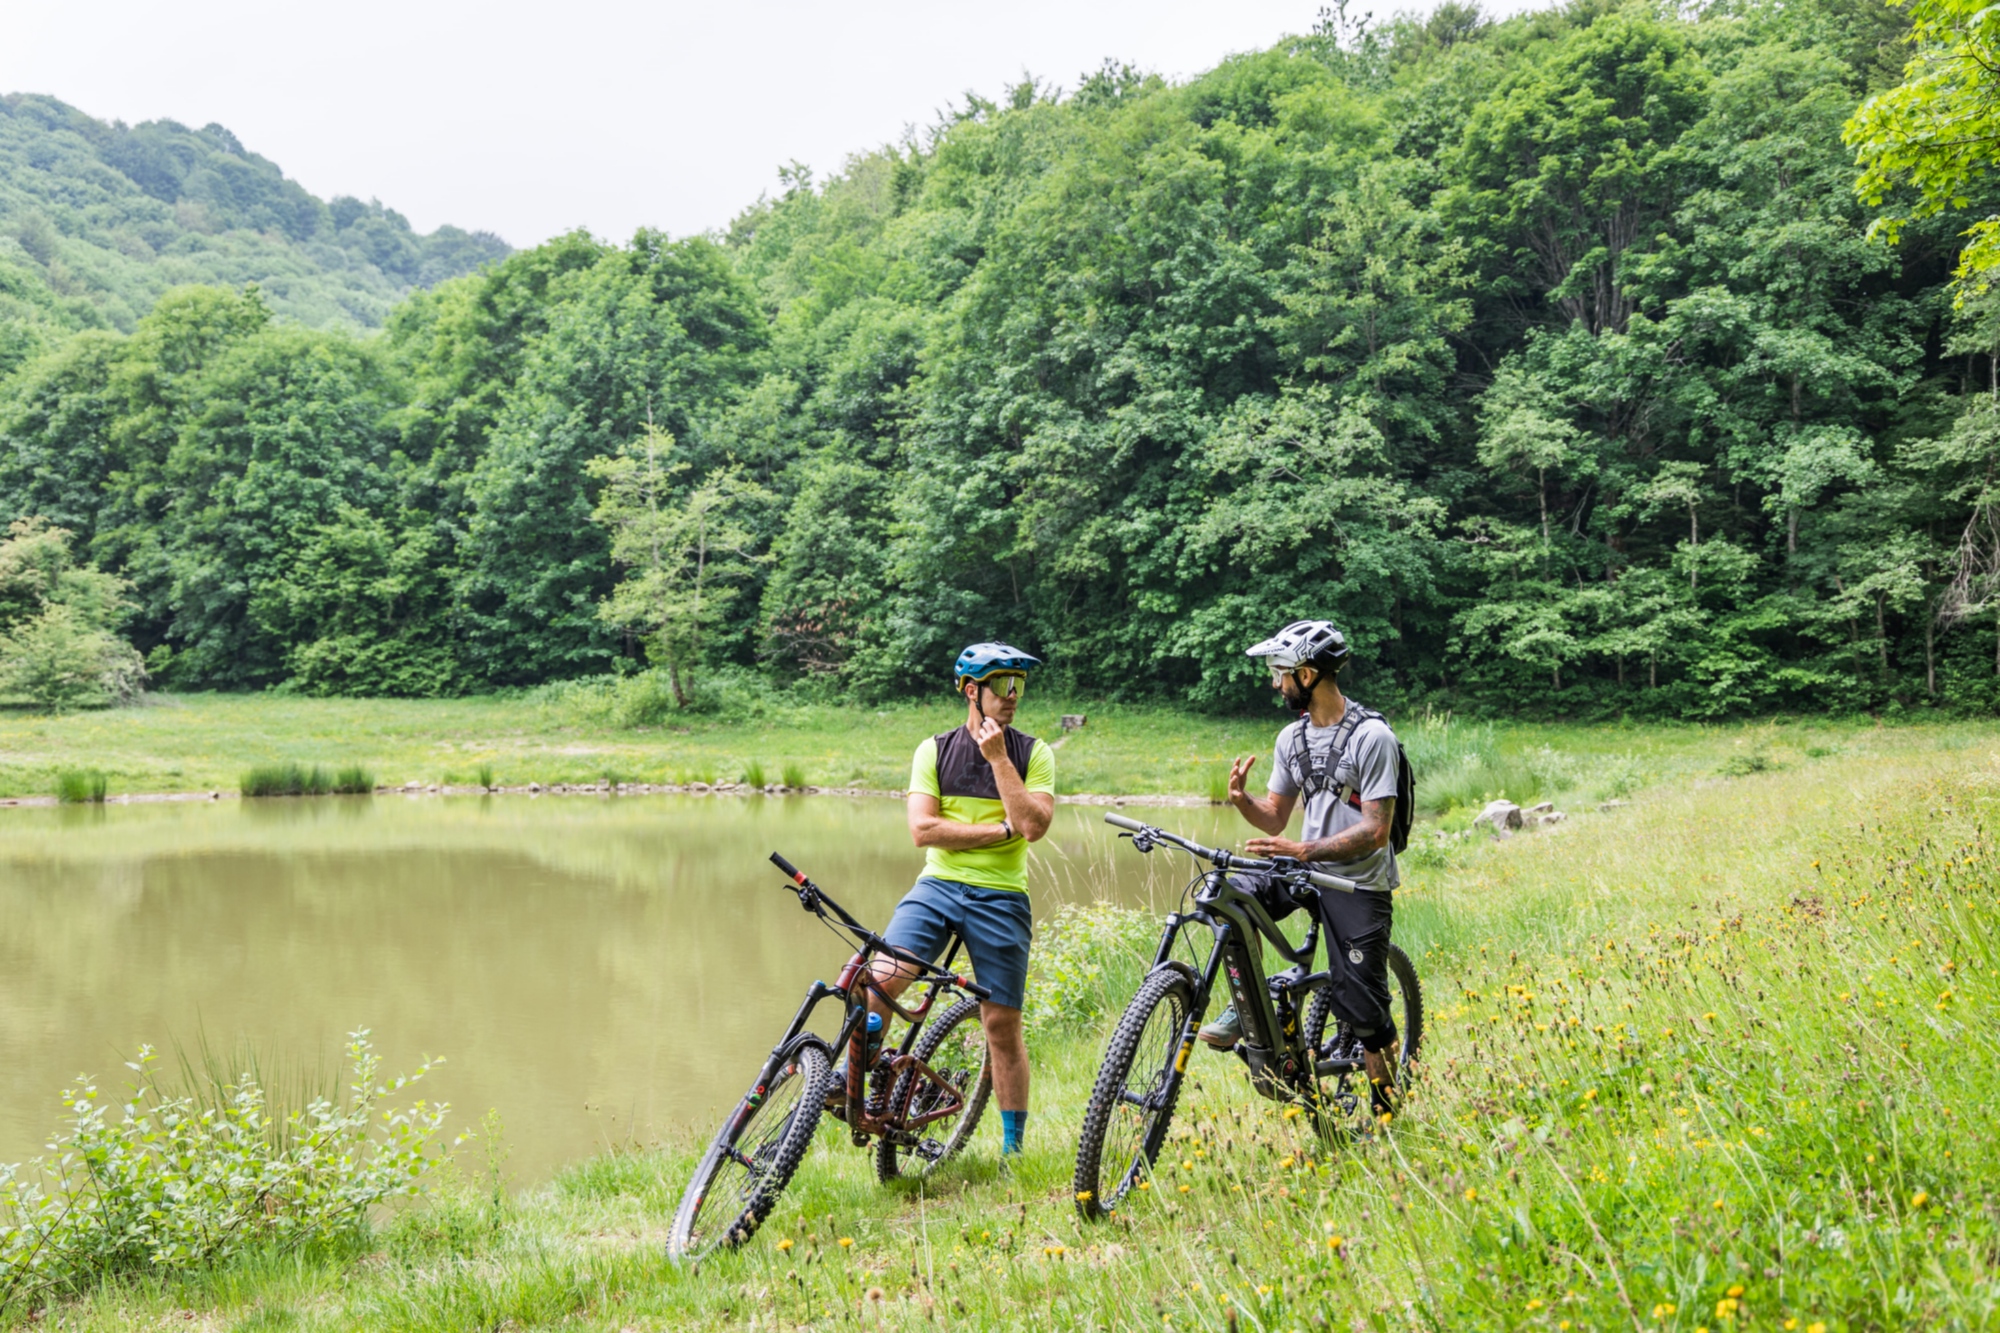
(1238, 771)
(992, 738)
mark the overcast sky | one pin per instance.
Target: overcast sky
(530, 119)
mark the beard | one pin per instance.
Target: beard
(1295, 698)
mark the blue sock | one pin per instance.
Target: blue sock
(1011, 1125)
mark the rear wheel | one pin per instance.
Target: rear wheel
(954, 1048)
(1137, 1087)
(752, 1159)
(1343, 1082)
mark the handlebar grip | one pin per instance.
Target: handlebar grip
(1129, 825)
(791, 871)
(1326, 881)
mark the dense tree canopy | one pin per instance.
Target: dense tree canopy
(1550, 357)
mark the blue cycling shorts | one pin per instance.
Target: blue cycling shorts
(994, 923)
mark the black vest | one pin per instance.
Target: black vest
(963, 771)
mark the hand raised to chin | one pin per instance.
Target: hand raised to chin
(992, 738)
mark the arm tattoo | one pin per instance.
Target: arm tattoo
(1364, 839)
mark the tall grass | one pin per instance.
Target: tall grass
(753, 774)
(794, 775)
(483, 777)
(1461, 765)
(81, 786)
(353, 780)
(287, 779)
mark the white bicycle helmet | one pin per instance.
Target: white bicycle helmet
(1298, 643)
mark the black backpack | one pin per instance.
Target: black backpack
(1312, 779)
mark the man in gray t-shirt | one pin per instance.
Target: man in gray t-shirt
(1350, 804)
(1366, 772)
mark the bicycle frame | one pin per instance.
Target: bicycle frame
(1272, 1043)
(852, 987)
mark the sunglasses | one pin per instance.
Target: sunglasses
(1006, 685)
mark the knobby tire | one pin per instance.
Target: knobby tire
(765, 1146)
(1154, 1048)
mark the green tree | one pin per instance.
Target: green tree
(58, 643)
(686, 553)
(1937, 133)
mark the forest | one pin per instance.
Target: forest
(98, 219)
(1550, 357)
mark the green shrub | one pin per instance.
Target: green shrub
(1743, 765)
(353, 780)
(753, 774)
(1087, 961)
(288, 779)
(81, 786)
(794, 775)
(483, 777)
(1218, 786)
(185, 1180)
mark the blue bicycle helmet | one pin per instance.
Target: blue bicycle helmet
(983, 659)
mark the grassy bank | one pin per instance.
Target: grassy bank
(1718, 1059)
(210, 742)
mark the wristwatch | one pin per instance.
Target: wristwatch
(1006, 829)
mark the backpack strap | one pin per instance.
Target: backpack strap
(1314, 778)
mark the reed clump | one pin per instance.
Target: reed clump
(81, 786)
(287, 779)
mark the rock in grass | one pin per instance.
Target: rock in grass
(1500, 817)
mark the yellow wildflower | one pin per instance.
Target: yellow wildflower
(1471, 1194)
(785, 1244)
(1919, 1199)
(847, 1242)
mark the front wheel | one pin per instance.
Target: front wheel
(953, 1048)
(1137, 1087)
(1343, 1082)
(752, 1158)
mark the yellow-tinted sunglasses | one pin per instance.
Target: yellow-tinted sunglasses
(1006, 684)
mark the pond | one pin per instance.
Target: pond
(599, 971)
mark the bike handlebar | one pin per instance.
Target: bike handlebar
(813, 898)
(1227, 860)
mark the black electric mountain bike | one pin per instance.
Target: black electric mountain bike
(1289, 1053)
(918, 1100)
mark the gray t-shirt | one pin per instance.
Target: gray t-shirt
(1367, 772)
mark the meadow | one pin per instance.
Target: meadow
(572, 735)
(1717, 1058)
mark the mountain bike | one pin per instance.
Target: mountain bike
(1289, 1053)
(917, 1101)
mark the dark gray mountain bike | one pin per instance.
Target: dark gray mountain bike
(918, 1101)
(1286, 1047)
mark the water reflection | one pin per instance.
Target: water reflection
(598, 970)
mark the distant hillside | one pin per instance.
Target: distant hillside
(96, 220)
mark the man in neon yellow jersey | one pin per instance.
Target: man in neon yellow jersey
(979, 794)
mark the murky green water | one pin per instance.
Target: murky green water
(597, 970)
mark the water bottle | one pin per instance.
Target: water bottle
(873, 1043)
